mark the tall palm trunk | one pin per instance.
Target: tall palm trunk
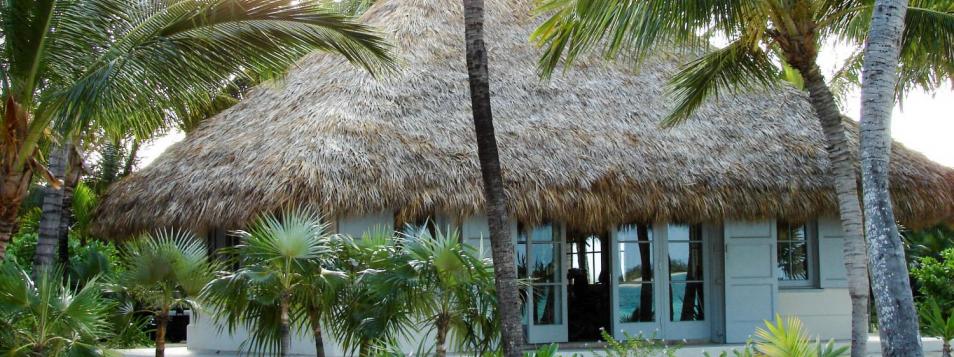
(897, 317)
(842, 166)
(74, 171)
(161, 325)
(49, 229)
(505, 271)
(285, 329)
(314, 318)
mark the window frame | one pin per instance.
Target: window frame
(811, 241)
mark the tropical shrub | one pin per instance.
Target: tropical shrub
(165, 271)
(286, 280)
(635, 346)
(45, 318)
(786, 338)
(937, 322)
(935, 277)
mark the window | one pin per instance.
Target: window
(796, 254)
(539, 259)
(686, 273)
(591, 256)
(636, 279)
(417, 226)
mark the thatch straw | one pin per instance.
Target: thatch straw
(583, 148)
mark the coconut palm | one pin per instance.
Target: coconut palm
(936, 322)
(766, 39)
(165, 271)
(885, 249)
(45, 318)
(505, 268)
(127, 65)
(451, 290)
(285, 280)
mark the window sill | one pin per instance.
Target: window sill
(800, 288)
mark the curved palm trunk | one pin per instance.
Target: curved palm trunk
(285, 328)
(849, 205)
(49, 230)
(161, 324)
(505, 271)
(14, 182)
(897, 317)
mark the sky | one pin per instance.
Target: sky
(924, 123)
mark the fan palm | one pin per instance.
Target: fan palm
(937, 323)
(127, 65)
(285, 279)
(370, 313)
(766, 39)
(451, 289)
(165, 271)
(45, 318)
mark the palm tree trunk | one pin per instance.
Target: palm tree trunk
(946, 349)
(846, 189)
(443, 323)
(74, 171)
(285, 328)
(13, 189)
(131, 159)
(897, 317)
(314, 318)
(505, 271)
(161, 324)
(49, 230)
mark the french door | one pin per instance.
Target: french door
(660, 284)
(541, 260)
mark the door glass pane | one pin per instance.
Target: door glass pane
(685, 261)
(793, 260)
(522, 261)
(547, 308)
(635, 262)
(634, 232)
(544, 233)
(546, 266)
(685, 302)
(636, 302)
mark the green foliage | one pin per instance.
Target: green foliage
(935, 321)
(758, 34)
(936, 277)
(786, 338)
(292, 254)
(928, 242)
(44, 318)
(636, 346)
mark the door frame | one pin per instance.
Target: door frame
(549, 333)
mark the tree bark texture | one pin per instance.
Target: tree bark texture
(505, 272)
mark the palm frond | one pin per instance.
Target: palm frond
(740, 65)
(634, 28)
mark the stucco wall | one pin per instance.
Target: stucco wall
(825, 312)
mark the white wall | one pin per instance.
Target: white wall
(826, 313)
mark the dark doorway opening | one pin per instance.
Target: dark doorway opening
(588, 285)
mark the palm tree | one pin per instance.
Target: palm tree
(936, 322)
(893, 295)
(451, 289)
(285, 280)
(505, 269)
(45, 318)
(165, 271)
(125, 65)
(766, 38)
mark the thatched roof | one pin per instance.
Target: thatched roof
(583, 148)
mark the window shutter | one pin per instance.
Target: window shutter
(831, 248)
(751, 282)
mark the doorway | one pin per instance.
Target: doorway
(588, 285)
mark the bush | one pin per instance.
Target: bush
(936, 278)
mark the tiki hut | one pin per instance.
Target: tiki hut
(583, 148)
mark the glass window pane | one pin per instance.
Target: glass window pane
(634, 232)
(547, 308)
(793, 260)
(635, 262)
(544, 232)
(522, 261)
(636, 303)
(546, 264)
(686, 302)
(791, 232)
(685, 261)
